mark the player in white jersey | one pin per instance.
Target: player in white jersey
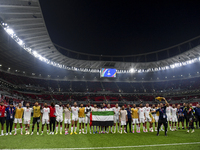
(59, 117)
(45, 117)
(123, 118)
(102, 127)
(169, 116)
(27, 117)
(67, 112)
(116, 110)
(74, 110)
(142, 117)
(174, 117)
(93, 110)
(88, 109)
(148, 118)
(107, 127)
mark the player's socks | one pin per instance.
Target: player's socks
(1, 132)
(15, 131)
(56, 129)
(21, 130)
(60, 129)
(114, 128)
(71, 129)
(75, 129)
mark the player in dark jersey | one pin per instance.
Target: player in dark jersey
(190, 115)
(180, 116)
(162, 116)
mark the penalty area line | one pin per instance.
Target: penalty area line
(116, 147)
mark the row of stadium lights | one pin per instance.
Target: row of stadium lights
(132, 70)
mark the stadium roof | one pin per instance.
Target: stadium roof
(26, 20)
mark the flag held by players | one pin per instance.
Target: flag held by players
(104, 118)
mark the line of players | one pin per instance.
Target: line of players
(53, 116)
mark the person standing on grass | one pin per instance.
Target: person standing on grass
(94, 109)
(190, 116)
(142, 117)
(162, 116)
(59, 117)
(197, 115)
(88, 109)
(174, 117)
(52, 119)
(134, 113)
(123, 118)
(67, 112)
(18, 117)
(74, 110)
(185, 113)
(81, 115)
(27, 117)
(2, 116)
(180, 116)
(116, 110)
(45, 118)
(36, 117)
(128, 109)
(10, 111)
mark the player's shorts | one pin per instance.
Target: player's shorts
(148, 119)
(67, 121)
(142, 120)
(45, 121)
(74, 118)
(36, 119)
(87, 120)
(156, 118)
(27, 121)
(123, 123)
(116, 119)
(2, 120)
(135, 121)
(169, 117)
(181, 119)
(174, 119)
(18, 120)
(81, 120)
(59, 118)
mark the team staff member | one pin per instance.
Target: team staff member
(36, 117)
(18, 117)
(190, 116)
(10, 111)
(197, 115)
(162, 116)
(52, 118)
(128, 109)
(2, 116)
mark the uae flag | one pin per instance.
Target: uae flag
(102, 118)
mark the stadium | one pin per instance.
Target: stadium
(34, 68)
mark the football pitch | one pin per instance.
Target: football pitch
(179, 139)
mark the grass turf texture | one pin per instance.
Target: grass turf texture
(100, 140)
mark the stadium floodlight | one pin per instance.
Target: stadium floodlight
(0, 65)
(9, 31)
(131, 70)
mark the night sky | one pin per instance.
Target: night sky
(120, 27)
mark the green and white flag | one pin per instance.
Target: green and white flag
(102, 118)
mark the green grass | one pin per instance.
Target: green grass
(101, 140)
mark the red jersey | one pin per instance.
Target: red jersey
(2, 111)
(52, 111)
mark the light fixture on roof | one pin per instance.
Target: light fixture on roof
(131, 70)
(0, 65)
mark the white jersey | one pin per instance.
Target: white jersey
(103, 109)
(88, 110)
(59, 110)
(168, 110)
(147, 111)
(173, 110)
(45, 112)
(74, 111)
(94, 109)
(141, 112)
(109, 109)
(27, 113)
(116, 111)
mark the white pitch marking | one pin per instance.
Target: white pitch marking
(117, 147)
